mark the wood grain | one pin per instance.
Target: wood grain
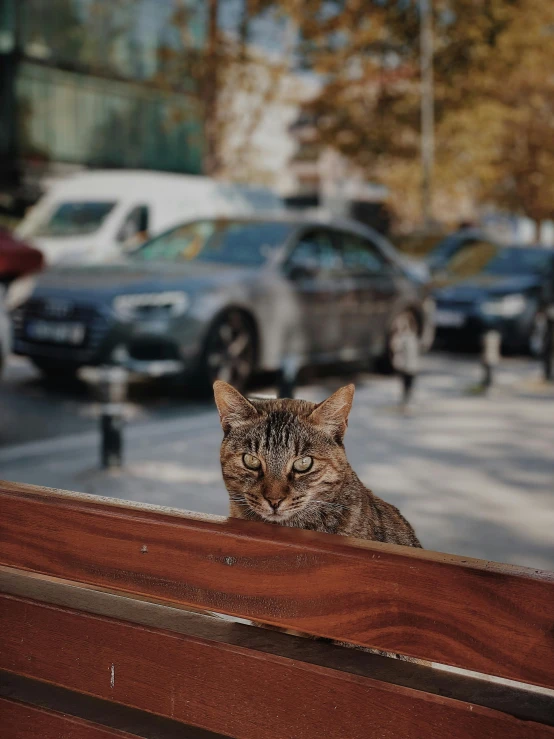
(529, 705)
(23, 721)
(492, 618)
(228, 689)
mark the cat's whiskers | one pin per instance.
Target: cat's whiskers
(328, 504)
(240, 502)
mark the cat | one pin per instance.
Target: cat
(284, 462)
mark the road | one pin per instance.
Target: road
(31, 408)
(474, 474)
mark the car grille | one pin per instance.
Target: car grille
(462, 305)
(96, 324)
(152, 349)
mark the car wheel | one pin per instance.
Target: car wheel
(402, 325)
(229, 351)
(537, 335)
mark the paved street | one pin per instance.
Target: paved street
(32, 408)
(475, 475)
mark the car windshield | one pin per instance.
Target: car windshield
(74, 219)
(489, 259)
(443, 249)
(514, 261)
(240, 243)
(447, 249)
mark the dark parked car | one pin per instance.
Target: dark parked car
(221, 298)
(495, 287)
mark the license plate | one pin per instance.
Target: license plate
(56, 332)
(449, 318)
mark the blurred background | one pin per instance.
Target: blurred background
(287, 195)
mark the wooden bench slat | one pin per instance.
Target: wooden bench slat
(533, 704)
(112, 716)
(23, 721)
(491, 618)
(231, 690)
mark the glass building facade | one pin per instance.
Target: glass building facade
(99, 83)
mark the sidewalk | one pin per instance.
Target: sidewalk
(475, 475)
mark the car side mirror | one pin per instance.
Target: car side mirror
(135, 241)
(439, 275)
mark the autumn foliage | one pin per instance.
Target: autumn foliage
(494, 94)
(494, 97)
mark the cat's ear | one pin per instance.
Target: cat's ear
(232, 406)
(332, 414)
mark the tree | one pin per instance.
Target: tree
(229, 69)
(494, 96)
(507, 136)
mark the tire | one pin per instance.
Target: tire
(229, 352)
(537, 335)
(403, 323)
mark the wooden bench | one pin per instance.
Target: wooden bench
(105, 630)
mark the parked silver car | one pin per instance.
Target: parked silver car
(222, 298)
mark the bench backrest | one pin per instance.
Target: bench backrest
(106, 614)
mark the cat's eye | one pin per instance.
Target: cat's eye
(303, 465)
(251, 462)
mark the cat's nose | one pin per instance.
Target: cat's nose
(274, 500)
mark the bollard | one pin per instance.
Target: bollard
(490, 357)
(406, 362)
(288, 376)
(110, 386)
(113, 391)
(111, 445)
(407, 388)
(548, 353)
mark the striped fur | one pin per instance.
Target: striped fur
(329, 497)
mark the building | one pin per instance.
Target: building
(320, 177)
(259, 109)
(97, 83)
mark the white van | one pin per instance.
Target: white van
(94, 216)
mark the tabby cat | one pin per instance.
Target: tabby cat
(284, 462)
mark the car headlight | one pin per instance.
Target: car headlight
(151, 305)
(506, 307)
